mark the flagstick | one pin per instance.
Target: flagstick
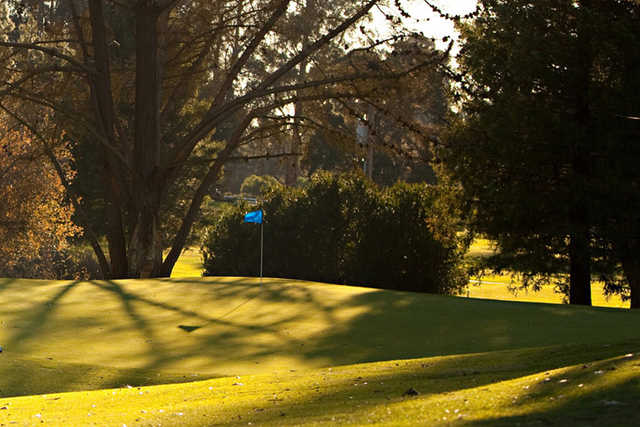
(261, 247)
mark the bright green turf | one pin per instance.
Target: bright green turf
(75, 336)
(499, 287)
(132, 329)
(189, 264)
(562, 385)
(490, 287)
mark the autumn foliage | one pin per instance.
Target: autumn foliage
(35, 218)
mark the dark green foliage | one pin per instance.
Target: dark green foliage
(543, 142)
(344, 229)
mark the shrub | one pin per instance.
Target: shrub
(344, 229)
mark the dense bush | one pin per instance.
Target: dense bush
(344, 229)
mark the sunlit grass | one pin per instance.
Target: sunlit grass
(501, 287)
(154, 331)
(298, 353)
(189, 264)
(498, 287)
(563, 385)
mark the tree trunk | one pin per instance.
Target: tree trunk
(579, 270)
(146, 154)
(101, 94)
(628, 255)
(579, 214)
(296, 142)
(631, 266)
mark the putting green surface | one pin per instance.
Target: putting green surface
(491, 286)
(214, 327)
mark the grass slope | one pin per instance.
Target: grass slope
(287, 337)
(562, 385)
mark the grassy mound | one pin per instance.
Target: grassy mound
(284, 338)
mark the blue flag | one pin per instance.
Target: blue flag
(255, 216)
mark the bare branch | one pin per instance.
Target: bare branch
(208, 122)
(257, 39)
(27, 96)
(49, 51)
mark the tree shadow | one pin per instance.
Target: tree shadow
(376, 393)
(33, 320)
(247, 328)
(5, 283)
(605, 402)
(31, 324)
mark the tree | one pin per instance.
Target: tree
(389, 133)
(537, 142)
(35, 218)
(163, 92)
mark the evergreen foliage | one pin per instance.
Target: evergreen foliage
(344, 229)
(543, 144)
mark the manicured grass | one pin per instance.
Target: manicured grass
(499, 286)
(215, 327)
(561, 385)
(303, 349)
(488, 287)
(189, 264)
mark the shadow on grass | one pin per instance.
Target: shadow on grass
(242, 326)
(611, 398)
(5, 283)
(379, 395)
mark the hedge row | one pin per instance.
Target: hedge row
(344, 229)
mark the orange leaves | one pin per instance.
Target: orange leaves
(34, 216)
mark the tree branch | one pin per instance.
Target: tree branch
(49, 51)
(241, 62)
(183, 149)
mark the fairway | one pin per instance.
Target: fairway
(506, 288)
